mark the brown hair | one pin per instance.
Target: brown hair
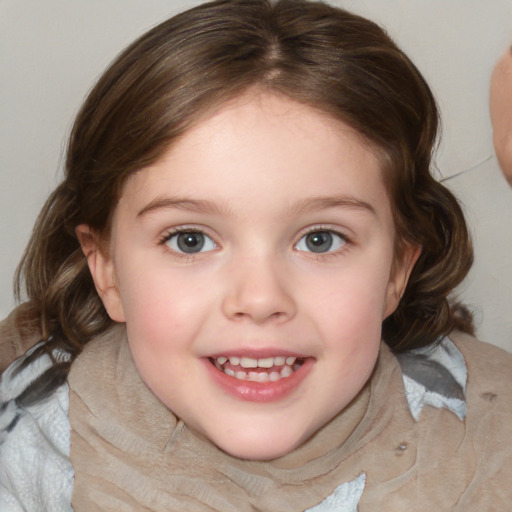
(336, 62)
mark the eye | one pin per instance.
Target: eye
(320, 242)
(190, 242)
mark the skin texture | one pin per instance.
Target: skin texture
(256, 178)
(501, 112)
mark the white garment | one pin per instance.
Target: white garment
(345, 498)
(36, 474)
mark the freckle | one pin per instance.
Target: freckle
(489, 396)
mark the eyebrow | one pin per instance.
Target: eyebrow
(182, 203)
(324, 202)
(205, 206)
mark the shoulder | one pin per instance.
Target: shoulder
(34, 436)
(467, 376)
(488, 424)
(488, 392)
(458, 373)
(489, 368)
(472, 447)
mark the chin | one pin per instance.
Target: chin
(262, 449)
(258, 453)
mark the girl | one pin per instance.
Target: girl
(241, 287)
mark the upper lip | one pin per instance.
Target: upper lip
(258, 354)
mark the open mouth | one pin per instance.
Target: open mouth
(267, 369)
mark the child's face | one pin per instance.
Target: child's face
(265, 234)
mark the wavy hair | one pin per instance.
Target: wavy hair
(170, 78)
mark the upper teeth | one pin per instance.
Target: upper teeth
(265, 362)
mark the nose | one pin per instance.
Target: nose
(259, 289)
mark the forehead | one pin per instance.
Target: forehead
(264, 147)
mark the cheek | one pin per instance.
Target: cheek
(164, 307)
(349, 321)
(353, 298)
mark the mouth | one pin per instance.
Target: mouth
(262, 370)
(261, 378)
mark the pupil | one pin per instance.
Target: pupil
(190, 242)
(321, 241)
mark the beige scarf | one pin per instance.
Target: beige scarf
(131, 453)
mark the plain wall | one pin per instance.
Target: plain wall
(52, 51)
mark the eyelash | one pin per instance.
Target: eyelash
(177, 231)
(325, 229)
(168, 235)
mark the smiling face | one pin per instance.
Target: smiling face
(253, 266)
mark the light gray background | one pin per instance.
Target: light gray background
(52, 51)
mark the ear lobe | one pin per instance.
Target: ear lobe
(400, 277)
(102, 271)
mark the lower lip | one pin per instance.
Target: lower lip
(259, 391)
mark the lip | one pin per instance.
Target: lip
(259, 391)
(259, 354)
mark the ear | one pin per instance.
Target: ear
(399, 278)
(102, 270)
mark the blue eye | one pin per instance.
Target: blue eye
(190, 242)
(320, 242)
